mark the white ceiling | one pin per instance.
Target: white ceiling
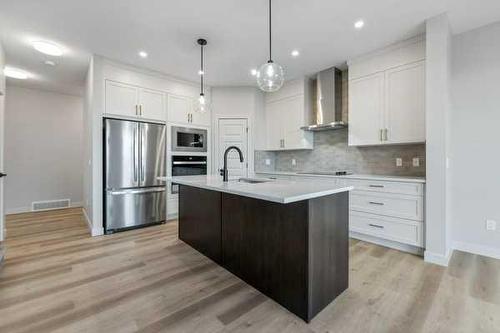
(236, 31)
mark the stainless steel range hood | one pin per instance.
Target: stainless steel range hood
(327, 101)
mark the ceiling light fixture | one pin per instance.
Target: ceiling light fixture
(143, 54)
(359, 24)
(295, 53)
(15, 73)
(253, 71)
(270, 76)
(50, 63)
(201, 105)
(48, 48)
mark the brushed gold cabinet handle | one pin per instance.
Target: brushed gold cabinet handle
(381, 134)
(385, 134)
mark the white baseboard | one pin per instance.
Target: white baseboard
(20, 210)
(387, 243)
(94, 231)
(438, 258)
(478, 249)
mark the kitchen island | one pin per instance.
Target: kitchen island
(288, 239)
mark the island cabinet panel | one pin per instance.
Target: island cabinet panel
(265, 244)
(200, 216)
(295, 253)
(328, 250)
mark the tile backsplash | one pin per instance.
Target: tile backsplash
(331, 153)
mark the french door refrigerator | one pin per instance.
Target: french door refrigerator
(134, 158)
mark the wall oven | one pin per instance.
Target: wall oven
(187, 139)
(187, 166)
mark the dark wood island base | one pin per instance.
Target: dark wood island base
(296, 253)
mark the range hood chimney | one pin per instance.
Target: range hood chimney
(327, 101)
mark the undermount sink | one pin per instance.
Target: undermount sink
(253, 180)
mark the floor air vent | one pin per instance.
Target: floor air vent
(50, 204)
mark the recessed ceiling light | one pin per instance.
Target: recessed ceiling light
(253, 72)
(15, 73)
(48, 48)
(143, 54)
(50, 63)
(295, 53)
(359, 24)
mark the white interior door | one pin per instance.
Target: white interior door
(2, 121)
(233, 132)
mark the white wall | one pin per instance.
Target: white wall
(437, 221)
(43, 147)
(238, 102)
(475, 143)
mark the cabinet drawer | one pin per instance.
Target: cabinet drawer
(387, 187)
(403, 231)
(401, 206)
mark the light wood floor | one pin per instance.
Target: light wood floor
(56, 278)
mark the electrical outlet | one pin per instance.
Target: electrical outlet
(491, 225)
(399, 162)
(416, 162)
(268, 161)
(294, 161)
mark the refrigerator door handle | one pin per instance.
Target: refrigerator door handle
(136, 152)
(137, 191)
(142, 177)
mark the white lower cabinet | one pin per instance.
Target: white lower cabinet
(172, 206)
(394, 229)
(386, 210)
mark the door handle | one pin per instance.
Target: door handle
(3, 174)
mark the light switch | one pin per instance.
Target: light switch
(399, 162)
(491, 225)
(416, 162)
(268, 161)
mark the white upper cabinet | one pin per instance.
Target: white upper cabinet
(130, 101)
(121, 99)
(387, 96)
(180, 110)
(286, 111)
(405, 99)
(366, 105)
(152, 104)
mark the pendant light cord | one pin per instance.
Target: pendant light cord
(270, 35)
(202, 71)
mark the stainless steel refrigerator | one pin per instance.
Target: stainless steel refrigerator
(134, 158)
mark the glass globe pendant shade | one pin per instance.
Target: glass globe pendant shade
(201, 104)
(270, 77)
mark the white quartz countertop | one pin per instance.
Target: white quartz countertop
(354, 176)
(280, 191)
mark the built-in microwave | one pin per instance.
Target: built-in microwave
(189, 139)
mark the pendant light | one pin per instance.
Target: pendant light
(270, 75)
(201, 105)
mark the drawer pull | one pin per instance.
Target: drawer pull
(376, 203)
(376, 186)
(376, 226)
